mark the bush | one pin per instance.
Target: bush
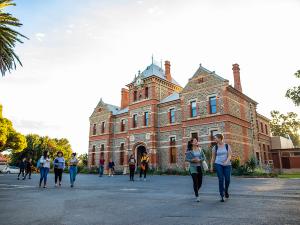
(235, 163)
(251, 163)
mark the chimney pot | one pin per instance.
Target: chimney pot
(168, 71)
(236, 76)
(124, 98)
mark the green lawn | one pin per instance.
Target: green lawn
(294, 175)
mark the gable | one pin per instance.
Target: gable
(102, 108)
(203, 78)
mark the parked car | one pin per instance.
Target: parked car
(11, 169)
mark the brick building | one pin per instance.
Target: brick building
(159, 116)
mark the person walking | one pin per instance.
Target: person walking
(22, 166)
(44, 165)
(195, 156)
(131, 163)
(73, 168)
(59, 166)
(144, 165)
(221, 156)
(111, 168)
(101, 166)
(28, 168)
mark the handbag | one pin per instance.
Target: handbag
(204, 165)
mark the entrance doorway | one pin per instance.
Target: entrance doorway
(139, 152)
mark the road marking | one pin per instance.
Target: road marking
(128, 189)
(12, 186)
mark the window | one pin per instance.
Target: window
(264, 147)
(195, 135)
(135, 96)
(146, 119)
(212, 135)
(123, 123)
(200, 80)
(266, 129)
(262, 127)
(103, 127)
(134, 121)
(93, 155)
(213, 105)
(94, 129)
(172, 115)
(146, 92)
(257, 125)
(102, 151)
(172, 150)
(93, 159)
(122, 154)
(193, 109)
(268, 147)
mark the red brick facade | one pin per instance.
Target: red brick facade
(159, 116)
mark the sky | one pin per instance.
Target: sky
(81, 51)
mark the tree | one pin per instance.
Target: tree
(294, 93)
(9, 138)
(8, 38)
(36, 145)
(286, 126)
(83, 160)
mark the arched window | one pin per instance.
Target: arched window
(146, 92)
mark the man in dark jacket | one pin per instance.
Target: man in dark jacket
(28, 168)
(22, 168)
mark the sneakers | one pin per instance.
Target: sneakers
(145, 179)
(198, 199)
(226, 195)
(72, 185)
(55, 185)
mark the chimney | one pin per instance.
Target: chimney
(125, 98)
(168, 71)
(236, 76)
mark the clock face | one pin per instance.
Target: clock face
(138, 82)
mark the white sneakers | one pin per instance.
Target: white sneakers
(198, 199)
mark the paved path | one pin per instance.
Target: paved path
(160, 200)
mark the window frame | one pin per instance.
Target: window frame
(211, 105)
(123, 125)
(94, 131)
(193, 109)
(173, 150)
(170, 115)
(146, 119)
(134, 120)
(102, 127)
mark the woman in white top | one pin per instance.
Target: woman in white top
(221, 156)
(44, 168)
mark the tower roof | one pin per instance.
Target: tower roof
(156, 70)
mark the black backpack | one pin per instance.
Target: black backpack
(216, 148)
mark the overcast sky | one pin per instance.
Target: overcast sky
(80, 51)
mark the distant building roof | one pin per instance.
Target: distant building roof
(156, 70)
(172, 97)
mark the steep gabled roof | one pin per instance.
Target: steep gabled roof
(202, 70)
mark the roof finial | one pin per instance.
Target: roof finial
(139, 72)
(160, 63)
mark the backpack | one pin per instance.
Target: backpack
(38, 164)
(216, 148)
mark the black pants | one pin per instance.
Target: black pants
(28, 171)
(58, 174)
(22, 170)
(131, 170)
(197, 180)
(144, 171)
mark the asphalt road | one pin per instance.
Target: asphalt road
(159, 200)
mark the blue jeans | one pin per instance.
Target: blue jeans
(223, 172)
(73, 173)
(101, 169)
(44, 173)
